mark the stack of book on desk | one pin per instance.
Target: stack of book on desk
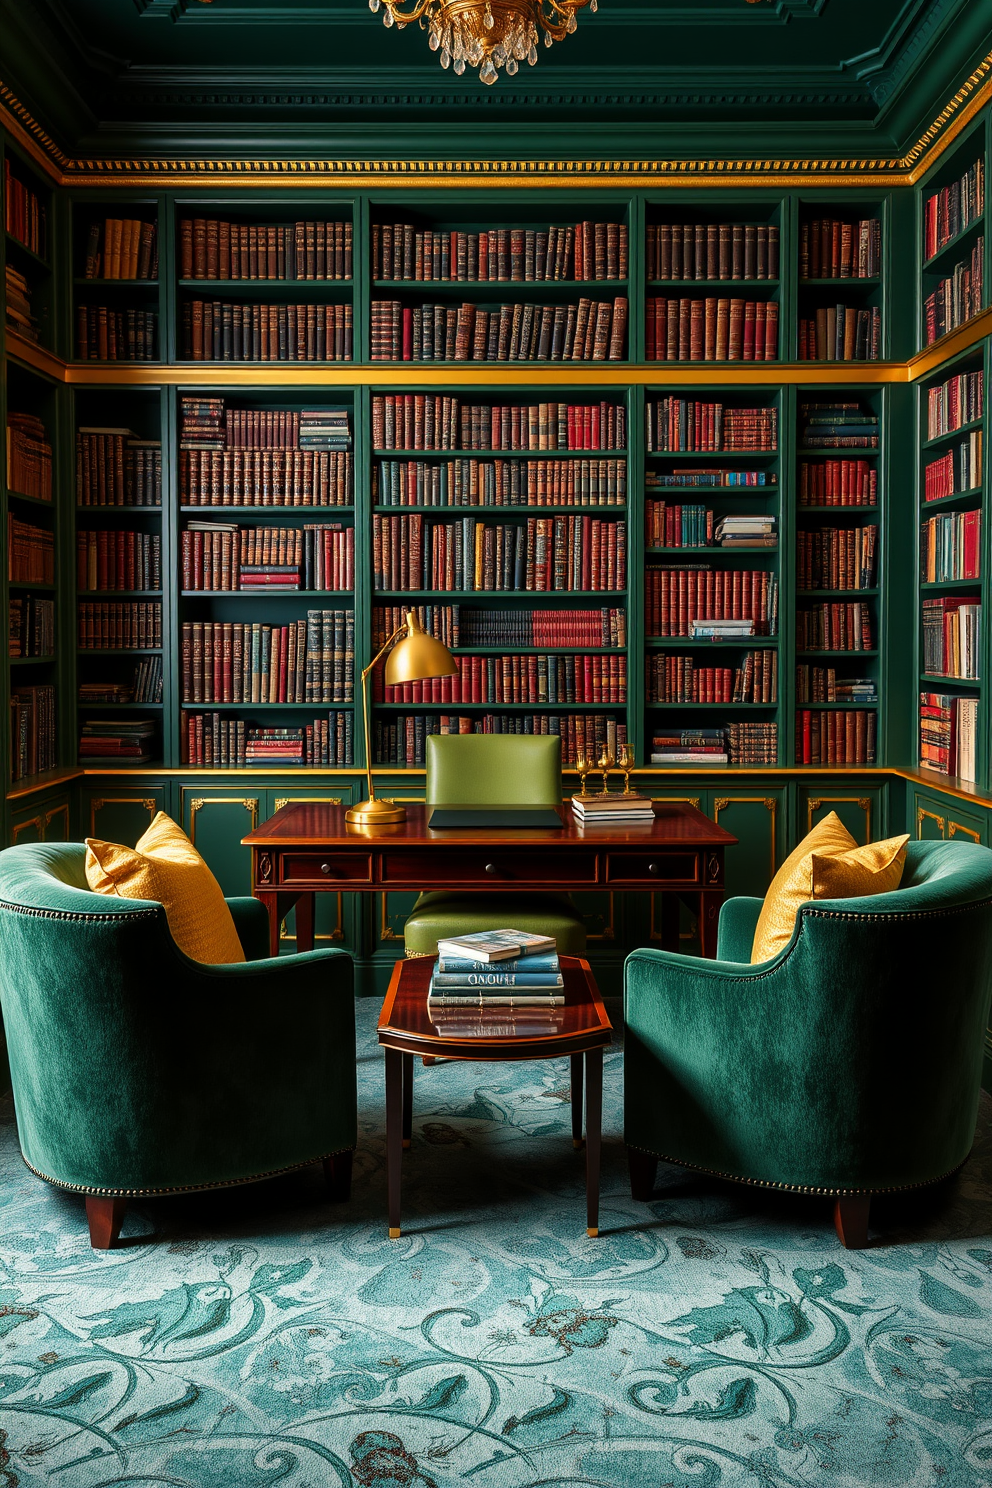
(495, 983)
(612, 808)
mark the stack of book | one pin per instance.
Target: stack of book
(203, 424)
(494, 983)
(753, 530)
(838, 426)
(681, 747)
(274, 746)
(109, 741)
(324, 429)
(611, 808)
(713, 629)
(29, 456)
(19, 317)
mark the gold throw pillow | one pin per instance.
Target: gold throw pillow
(165, 866)
(827, 864)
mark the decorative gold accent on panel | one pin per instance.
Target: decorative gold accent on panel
(921, 816)
(815, 802)
(97, 803)
(954, 827)
(50, 816)
(282, 801)
(770, 804)
(250, 804)
(795, 172)
(386, 931)
(690, 800)
(35, 821)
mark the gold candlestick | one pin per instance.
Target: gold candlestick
(606, 763)
(626, 763)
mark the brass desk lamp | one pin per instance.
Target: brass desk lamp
(414, 658)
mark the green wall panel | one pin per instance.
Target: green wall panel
(120, 813)
(859, 807)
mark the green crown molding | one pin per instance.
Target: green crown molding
(123, 171)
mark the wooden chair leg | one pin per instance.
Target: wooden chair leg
(643, 1167)
(105, 1217)
(337, 1171)
(851, 1220)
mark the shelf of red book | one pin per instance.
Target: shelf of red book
(502, 454)
(933, 265)
(952, 433)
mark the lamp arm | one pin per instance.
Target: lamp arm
(365, 708)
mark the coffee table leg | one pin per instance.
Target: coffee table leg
(407, 1099)
(394, 1136)
(594, 1124)
(576, 1061)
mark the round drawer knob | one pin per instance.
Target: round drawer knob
(653, 868)
(325, 867)
(491, 869)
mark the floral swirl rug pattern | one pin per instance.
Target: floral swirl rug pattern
(714, 1338)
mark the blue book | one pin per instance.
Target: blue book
(482, 978)
(543, 961)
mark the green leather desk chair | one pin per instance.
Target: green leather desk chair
(493, 770)
(849, 1065)
(137, 1071)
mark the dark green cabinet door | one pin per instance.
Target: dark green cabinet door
(215, 819)
(120, 815)
(27, 826)
(859, 808)
(757, 820)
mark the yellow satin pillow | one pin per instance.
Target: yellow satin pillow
(165, 866)
(827, 864)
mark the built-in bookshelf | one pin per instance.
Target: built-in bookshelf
(953, 234)
(32, 572)
(28, 236)
(116, 249)
(266, 579)
(840, 280)
(952, 555)
(713, 508)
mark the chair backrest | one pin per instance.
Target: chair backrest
(494, 770)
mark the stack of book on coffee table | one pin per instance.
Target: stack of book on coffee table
(496, 983)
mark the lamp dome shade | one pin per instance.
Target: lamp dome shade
(418, 656)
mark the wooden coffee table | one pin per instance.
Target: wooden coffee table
(583, 1030)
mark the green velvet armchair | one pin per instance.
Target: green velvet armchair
(493, 770)
(849, 1065)
(136, 1071)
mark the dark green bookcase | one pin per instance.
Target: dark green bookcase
(768, 807)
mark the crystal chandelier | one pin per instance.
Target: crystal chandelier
(487, 34)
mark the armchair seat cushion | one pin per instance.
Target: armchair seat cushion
(435, 916)
(166, 867)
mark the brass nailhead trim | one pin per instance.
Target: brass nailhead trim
(136, 1193)
(65, 914)
(804, 1188)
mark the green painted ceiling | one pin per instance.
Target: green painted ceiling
(676, 77)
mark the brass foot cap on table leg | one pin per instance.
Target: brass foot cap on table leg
(578, 1143)
(394, 1234)
(593, 1234)
(407, 1142)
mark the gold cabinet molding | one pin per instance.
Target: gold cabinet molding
(863, 802)
(770, 804)
(197, 804)
(923, 815)
(97, 803)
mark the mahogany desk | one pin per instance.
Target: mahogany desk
(307, 848)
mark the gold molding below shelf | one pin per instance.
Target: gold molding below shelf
(640, 175)
(506, 374)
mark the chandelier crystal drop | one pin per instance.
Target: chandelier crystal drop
(487, 34)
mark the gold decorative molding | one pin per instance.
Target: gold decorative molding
(924, 815)
(953, 828)
(770, 804)
(336, 934)
(97, 803)
(797, 172)
(281, 801)
(50, 816)
(196, 805)
(815, 802)
(19, 827)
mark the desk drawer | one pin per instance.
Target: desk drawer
(326, 868)
(656, 867)
(480, 866)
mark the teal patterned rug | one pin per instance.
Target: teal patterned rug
(715, 1338)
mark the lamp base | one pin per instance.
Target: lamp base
(376, 813)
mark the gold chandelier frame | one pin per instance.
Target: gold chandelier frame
(488, 34)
